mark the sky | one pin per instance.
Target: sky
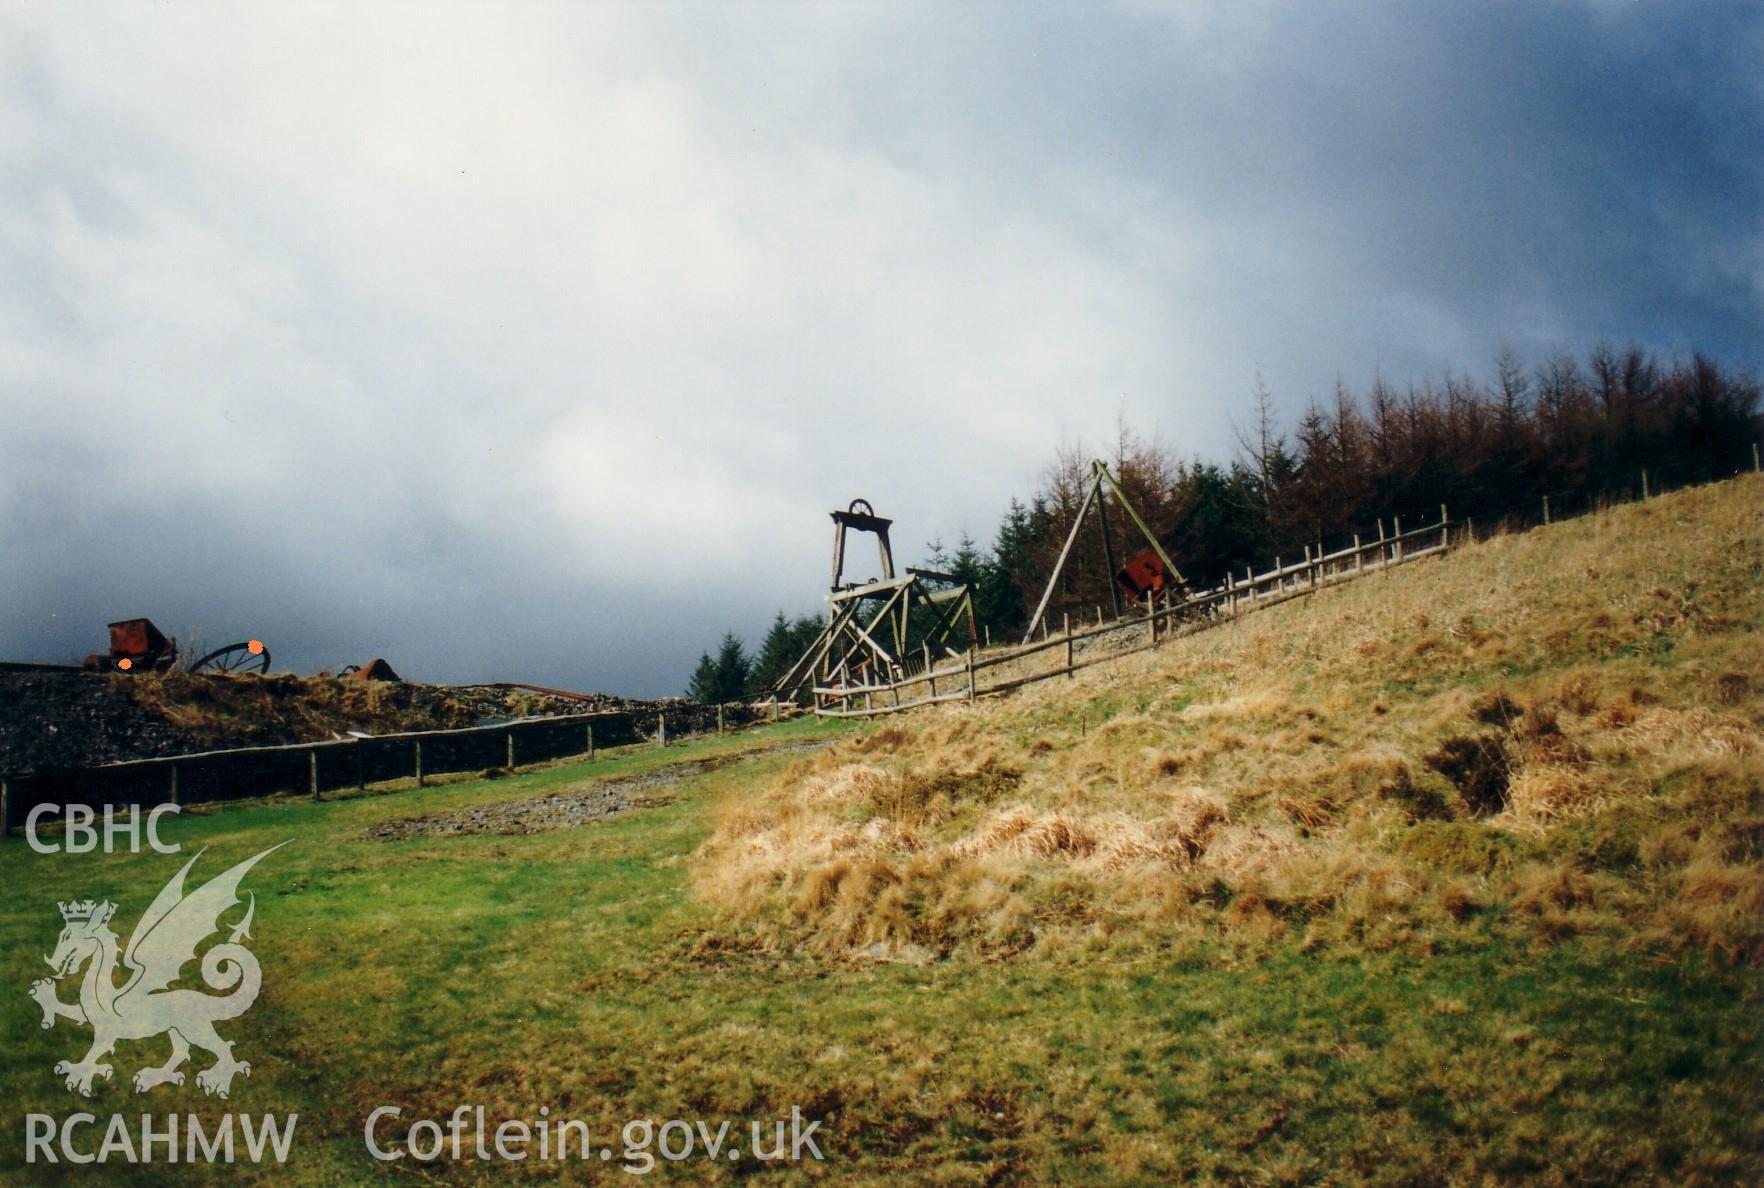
(519, 342)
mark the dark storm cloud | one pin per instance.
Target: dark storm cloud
(536, 343)
(1528, 172)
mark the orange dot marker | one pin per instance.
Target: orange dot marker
(255, 647)
(125, 664)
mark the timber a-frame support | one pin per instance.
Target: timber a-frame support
(891, 639)
(863, 521)
(1096, 496)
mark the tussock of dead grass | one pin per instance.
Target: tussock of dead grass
(1553, 733)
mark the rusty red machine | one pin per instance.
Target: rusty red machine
(1143, 574)
(1149, 574)
(137, 646)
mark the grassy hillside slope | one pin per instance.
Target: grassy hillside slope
(1545, 735)
(1450, 876)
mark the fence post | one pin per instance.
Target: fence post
(661, 730)
(1754, 457)
(173, 791)
(988, 629)
(589, 728)
(1396, 537)
(1359, 557)
(1151, 615)
(1644, 484)
(6, 808)
(312, 771)
(1546, 511)
(418, 744)
(971, 668)
(511, 754)
(719, 721)
(1443, 529)
(1470, 528)
(1067, 620)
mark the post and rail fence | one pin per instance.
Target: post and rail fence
(353, 763)
(958, 677)
(962, 674)
(314, 768)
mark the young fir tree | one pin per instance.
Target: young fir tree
(733, 670)
(777, 653)
(702, 688)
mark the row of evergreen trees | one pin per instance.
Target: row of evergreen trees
(731, 674)
(1565, 428)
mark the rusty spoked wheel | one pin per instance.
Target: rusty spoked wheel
(247, 657)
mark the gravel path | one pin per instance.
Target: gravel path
(598, 801)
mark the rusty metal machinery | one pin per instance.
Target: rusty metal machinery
(246, 656)
(136, 645)
(374, 670)
(1143, 574)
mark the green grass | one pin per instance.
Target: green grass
(574, 969)
(1339, 987)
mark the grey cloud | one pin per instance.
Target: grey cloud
(536, 342)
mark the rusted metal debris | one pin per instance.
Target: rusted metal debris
(374, 670)
(136, 646)
(1143, 574)
(249, 656)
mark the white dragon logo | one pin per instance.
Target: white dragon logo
(164, 941)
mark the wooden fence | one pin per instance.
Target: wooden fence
(313, 768)
(964, 676)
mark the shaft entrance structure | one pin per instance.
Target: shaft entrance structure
(884, 629)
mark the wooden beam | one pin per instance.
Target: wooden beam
(1060, 563)
(1109, 567)
(800, 672)
(1144, 528)
(872, 590)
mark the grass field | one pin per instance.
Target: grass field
(1447, 876)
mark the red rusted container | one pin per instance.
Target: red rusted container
(374, 670)
(139, 642)
(1143, 572)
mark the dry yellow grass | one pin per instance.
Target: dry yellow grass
(1560, 733)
